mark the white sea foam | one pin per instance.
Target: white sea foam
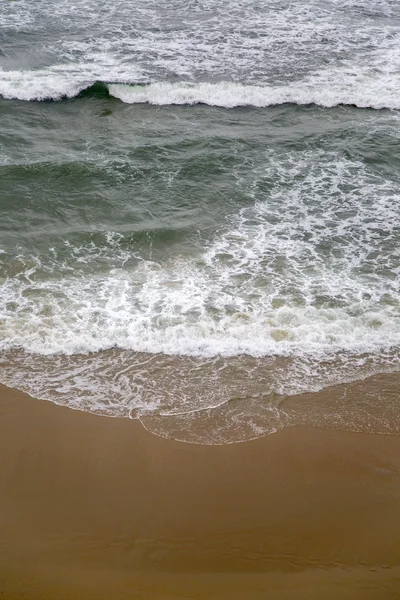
(297, 291)
(58, 81)
(324, 89)
(214, 401)
(39, 85)
(257, 40)
(255, 54)
(322, 276)
(294, 293)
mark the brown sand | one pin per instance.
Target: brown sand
(93, 508)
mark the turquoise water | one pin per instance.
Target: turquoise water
(200, 205)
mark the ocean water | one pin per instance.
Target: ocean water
(200, 211)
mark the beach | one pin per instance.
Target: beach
(96, 507)
(199, 300)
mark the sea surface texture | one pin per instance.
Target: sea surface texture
(200, 211)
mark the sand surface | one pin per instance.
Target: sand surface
(98, 508)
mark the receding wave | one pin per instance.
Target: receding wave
(324, 92)
(217, 400)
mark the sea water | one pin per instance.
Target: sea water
(199, 210)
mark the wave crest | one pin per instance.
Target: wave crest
(325, 92)
(231, 95)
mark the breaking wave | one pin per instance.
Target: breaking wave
(362, 92)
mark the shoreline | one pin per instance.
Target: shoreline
(96, 507)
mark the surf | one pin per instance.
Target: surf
(224, 94)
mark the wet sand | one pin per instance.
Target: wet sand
(98, 508)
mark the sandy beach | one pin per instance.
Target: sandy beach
(98, 508)
(199, 300)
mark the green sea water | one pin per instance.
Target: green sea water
(198, 209)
